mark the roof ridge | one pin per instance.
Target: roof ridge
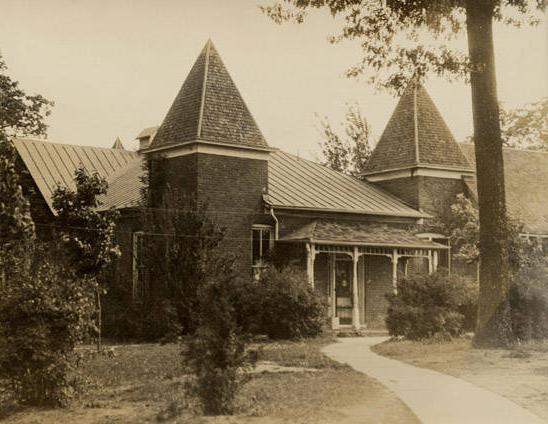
(204, 84)
(37, 140)
(416, 123)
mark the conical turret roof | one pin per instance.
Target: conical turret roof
(416, 136)
(209, 108)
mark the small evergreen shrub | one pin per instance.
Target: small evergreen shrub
(529, 303)
(289, 306)
(216, 352)
(45, 310)
(429, 306)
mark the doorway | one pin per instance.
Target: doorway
(343, 290)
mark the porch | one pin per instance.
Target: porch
(355, 265)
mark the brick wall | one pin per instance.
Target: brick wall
(378, 282)
(430, 194)
(232, 189)
(436, 195)
(406, 189)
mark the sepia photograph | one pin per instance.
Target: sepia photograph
(273, 211)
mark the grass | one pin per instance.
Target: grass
(146, 383)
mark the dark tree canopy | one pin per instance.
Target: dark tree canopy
(20, 114)
(526, 127)
(403, 39)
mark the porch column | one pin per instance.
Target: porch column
(430, 263)
(395, 258)
(310, 256)
(435, 261)
(355, 297)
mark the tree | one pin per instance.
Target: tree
(20, 114)
(526, 127)
(350, 152)
(392, 35)
(180, 246)
(87, 234)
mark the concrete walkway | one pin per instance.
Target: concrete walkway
(435, 398)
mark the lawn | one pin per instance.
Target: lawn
(293, 383)
(520, 374)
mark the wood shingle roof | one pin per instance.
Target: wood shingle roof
(416, 135)
(209, 108)
(525, 179)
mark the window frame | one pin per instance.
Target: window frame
(262, 228)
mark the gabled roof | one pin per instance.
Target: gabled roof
(295, 183)
(330, 231)
(416, 136)
(50, 164)
(209, 108)
(148, 132)
(118, 144)
(526, 181)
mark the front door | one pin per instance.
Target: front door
(343, 290)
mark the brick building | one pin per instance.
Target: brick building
(355, 238)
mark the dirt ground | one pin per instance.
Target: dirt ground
(519, 374)
(295, 384)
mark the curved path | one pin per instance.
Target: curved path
(434, 397)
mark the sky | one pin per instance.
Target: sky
(113, 67)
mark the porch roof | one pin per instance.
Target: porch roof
(354, 233)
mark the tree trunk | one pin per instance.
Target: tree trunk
(99, 318)
(493, 326)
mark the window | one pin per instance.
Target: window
(261, 243)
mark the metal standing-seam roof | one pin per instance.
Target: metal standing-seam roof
(295, 183)
(51, 164)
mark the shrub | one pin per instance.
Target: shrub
(44, 311)
(289, 306)
(529, 302)
(429, 305)
(216, 353)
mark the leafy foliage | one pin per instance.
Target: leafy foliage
(526, 127)
(529, 302)
(88, 234)
(217, 351)
(430, 305)
(180, 248)
(287, 306)
(20, 114)
(45, 311)
(462, 226)
(402, 40)
(348, 153)
(15, 220)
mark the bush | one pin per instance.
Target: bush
(154, 321)
(529, 303)
(44, 311)
(429, 305)
(216, 353)
(289, 307)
